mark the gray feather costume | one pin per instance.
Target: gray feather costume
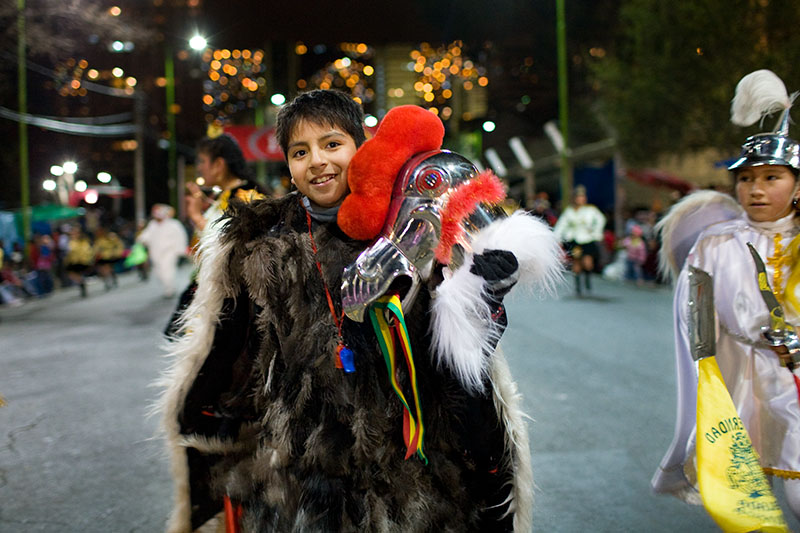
(254, 407)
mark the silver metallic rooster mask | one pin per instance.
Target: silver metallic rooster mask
(403, 255)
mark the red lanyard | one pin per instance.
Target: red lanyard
(336, 319)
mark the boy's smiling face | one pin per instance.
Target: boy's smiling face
(318, 156)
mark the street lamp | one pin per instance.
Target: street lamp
(49, 185)
(104, 177)
(70, 167)
(198, 42)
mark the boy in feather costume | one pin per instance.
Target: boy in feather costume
(264, 415)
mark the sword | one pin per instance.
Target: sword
(778, 333)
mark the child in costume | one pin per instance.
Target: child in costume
(710, 231)
(265, 415)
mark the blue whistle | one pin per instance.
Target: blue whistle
(346, 356)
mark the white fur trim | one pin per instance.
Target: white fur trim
(463, 332)
(187, 354)
(507, 402)
(533, 243)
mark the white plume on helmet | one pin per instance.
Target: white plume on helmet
(759, 94)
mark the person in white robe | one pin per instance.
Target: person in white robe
(166, 241)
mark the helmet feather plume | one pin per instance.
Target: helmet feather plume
(758, 94)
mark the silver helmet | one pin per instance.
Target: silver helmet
(403, 254)
(759, 94)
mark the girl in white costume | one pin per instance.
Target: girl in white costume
(763, 390)
(580, 228)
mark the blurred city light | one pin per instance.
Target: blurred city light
(70, 167)
(198, 42)
(370, 121)
(114, 11)
(117, 46)
(117, 72)
(277, 99)
(49, 185)
(56, 170)
(200, 181)
(489, 126)
(81, 186)
(91, 197)
(103, 177)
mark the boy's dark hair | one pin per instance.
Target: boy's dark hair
(228, 149)
(321, 106)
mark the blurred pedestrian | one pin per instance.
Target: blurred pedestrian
(580, 228)
(108, 249)
(166, 242)
(79, 258)
(543, 211)
(635, 255)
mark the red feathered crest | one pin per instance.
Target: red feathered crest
(404, 131)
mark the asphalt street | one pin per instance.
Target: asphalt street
(79, 453)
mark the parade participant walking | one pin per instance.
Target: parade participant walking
(166, 242)
(580, 228)
(719, 233)
(79, 258)
(108, 250)
(268, 416)
(220, 162)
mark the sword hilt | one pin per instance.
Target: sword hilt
(784, 337)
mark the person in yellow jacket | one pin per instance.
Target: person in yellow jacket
(108, 250)
(79, 258)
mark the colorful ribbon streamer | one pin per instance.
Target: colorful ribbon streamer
(413, 427)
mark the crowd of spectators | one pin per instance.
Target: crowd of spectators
(64, 256)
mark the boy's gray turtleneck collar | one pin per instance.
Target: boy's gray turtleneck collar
(320, 214)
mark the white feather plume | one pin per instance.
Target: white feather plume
(758, 94)
(681, 227)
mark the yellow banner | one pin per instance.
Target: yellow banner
(732, 483)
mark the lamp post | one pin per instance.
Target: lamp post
(22, 99)
(172, 150)
(563, 112)
(197, 43)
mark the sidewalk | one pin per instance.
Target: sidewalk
(65, 295)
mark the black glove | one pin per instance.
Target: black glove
(500, 271)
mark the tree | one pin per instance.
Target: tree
(667, 85)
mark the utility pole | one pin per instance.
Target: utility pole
(138, 157)
(563, 103)
(172, 158)
(22, 98)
